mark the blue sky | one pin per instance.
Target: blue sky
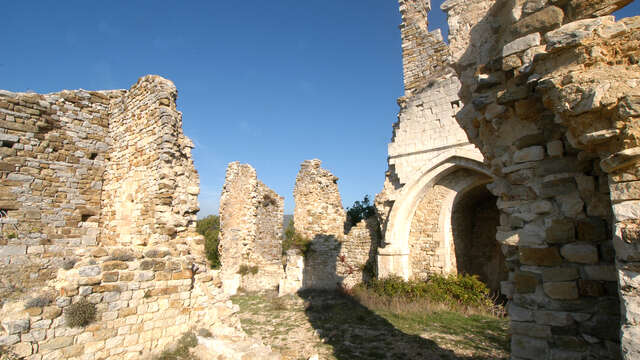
(269, 83)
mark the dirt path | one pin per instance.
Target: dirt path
(334, 326)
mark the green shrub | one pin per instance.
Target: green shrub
(209, 227)
(293, 240)
(80, 314)
(464, 290)
(246, 269)
(360, 210)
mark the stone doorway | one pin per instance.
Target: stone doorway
(474, 221)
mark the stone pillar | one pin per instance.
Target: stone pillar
(251, 218)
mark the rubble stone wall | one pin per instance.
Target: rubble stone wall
(551, 98)
(150, 186)
(53, 154)
(338, 256)
(251, 217)
(98, 195)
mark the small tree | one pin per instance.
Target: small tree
(360, 210)
(209, 227)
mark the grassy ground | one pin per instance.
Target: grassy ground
(336, 326)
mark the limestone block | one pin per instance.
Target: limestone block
(631, 341)
(547, 256)
(627, 210)
(566, 290)
(600, 272)
(560, 274)
(521, 44)
(15, 326)
(87, 271)
(580, 253)
(9, 340)
(517, 313)
(573, 33)
(532, 153)
(12, 250)
(526, 347)
(548, 18)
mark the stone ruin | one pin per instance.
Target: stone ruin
(548, 93)
(522, 129)
(251, 220)
(98, 196)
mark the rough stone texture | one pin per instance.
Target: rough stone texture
(99, 199)
(577, 88)
(250, 230)
(338, 255)
(412, 210)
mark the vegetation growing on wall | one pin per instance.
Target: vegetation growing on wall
(293, 240)
(209, 227)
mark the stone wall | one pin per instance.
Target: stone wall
(425, 136)
(251, 217)
(53, 154)
(338, 255)
(551, 98)
(150, 185)
(98, 195)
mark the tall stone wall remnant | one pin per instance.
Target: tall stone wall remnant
(98, 195)
(431, 164)
(251, 217)
(550, 96)
(339, 255)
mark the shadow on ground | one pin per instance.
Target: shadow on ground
(355, 332)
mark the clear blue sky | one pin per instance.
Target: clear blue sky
(269, 83)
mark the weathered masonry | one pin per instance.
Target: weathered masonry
(251, 217)
(98, 194)
(436, 212)
(549, 95)
(250, 231)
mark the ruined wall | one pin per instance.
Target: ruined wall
(425, 135)
(53, 154)
(100, 192)
(150, 185)
(338, 256)
(250, 231)
(551, 98)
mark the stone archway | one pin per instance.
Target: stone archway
(418, 236)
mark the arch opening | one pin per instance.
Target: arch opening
(474, 222)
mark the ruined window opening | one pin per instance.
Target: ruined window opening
(85, 217)
(93, 156)
(455, 104)
(438, 20)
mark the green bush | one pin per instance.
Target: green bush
(293, 240)
(209, 227)
(465, 290)
(80, 314)
(246, 269)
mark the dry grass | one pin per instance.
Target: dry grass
(400, 305)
